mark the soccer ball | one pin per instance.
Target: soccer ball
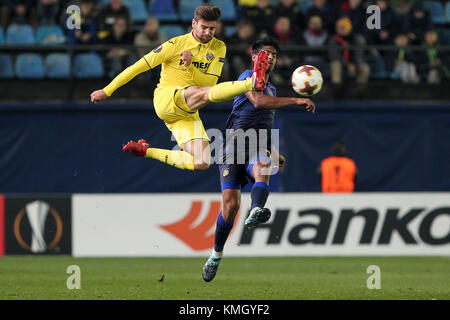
(307, 80)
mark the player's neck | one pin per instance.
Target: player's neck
(196, 38)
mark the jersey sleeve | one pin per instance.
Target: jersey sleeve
(160, 54)
(246, 74)
(125, 76)
(217, 64)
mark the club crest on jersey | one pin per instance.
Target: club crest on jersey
(226, 172)
(209, 56)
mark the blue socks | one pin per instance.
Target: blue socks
(223, 229)
(260, 192)
(259, 195)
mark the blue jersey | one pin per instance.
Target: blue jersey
(245, 115)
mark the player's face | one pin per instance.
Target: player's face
(204, 30)
(271, 57)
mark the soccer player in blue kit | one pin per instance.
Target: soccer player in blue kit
(251, 111)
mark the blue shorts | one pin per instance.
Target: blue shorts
(237, 176)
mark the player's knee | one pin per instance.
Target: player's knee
(196, 97)
(230, 208)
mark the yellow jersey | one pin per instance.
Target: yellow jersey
(205, 69)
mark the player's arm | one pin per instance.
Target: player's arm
(147, 62)
(275, 155)
(211, 76)
(259, 100)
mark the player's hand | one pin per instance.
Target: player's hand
(281, 161)
(186, 57)
(98, 95)
(309, 105)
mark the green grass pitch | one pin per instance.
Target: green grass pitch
(286, 278)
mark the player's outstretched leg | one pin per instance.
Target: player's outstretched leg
(228, 90)
(178, 159)
(198, 97)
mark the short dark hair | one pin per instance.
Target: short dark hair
(207, 12)
(258, 45)
(339, 149)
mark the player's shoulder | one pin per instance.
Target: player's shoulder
(217, 44)
(178, 39)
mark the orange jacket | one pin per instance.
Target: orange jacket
(338, 174)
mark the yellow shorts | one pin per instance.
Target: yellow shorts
(170, 106)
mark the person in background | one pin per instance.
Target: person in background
(389, 25)
(356, 11)
(347, 61)
(108, 16)
(241, 42)
(315, 36)
(262, 16)
(119, 57)
(286, 36)
(87, 34)
(150, 37)
(338, 172)
(19, 12)
(290, 9)
(417, 21)
(48, 11)
(326, 12)
(432, 61)
(402, 62)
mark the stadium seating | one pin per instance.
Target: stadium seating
(436, 10)
(57, 66)
(171, 30)
(6, 66)
(444, 36)
(138, 10)
(447, 11)
(186, 9)
(88, 66)
(227, 7)
(377, 67)
(2, 36)
(20, 35)
(164, 10)
(29, 66)
(50, 35)
(304, 5)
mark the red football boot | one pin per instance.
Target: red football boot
(139, 148)
(259, 71)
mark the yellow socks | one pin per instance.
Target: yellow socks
(178, 159)
(228, 90)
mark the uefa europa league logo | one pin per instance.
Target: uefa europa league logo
(37, 213)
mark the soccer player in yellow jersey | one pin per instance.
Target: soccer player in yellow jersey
(191, 66)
